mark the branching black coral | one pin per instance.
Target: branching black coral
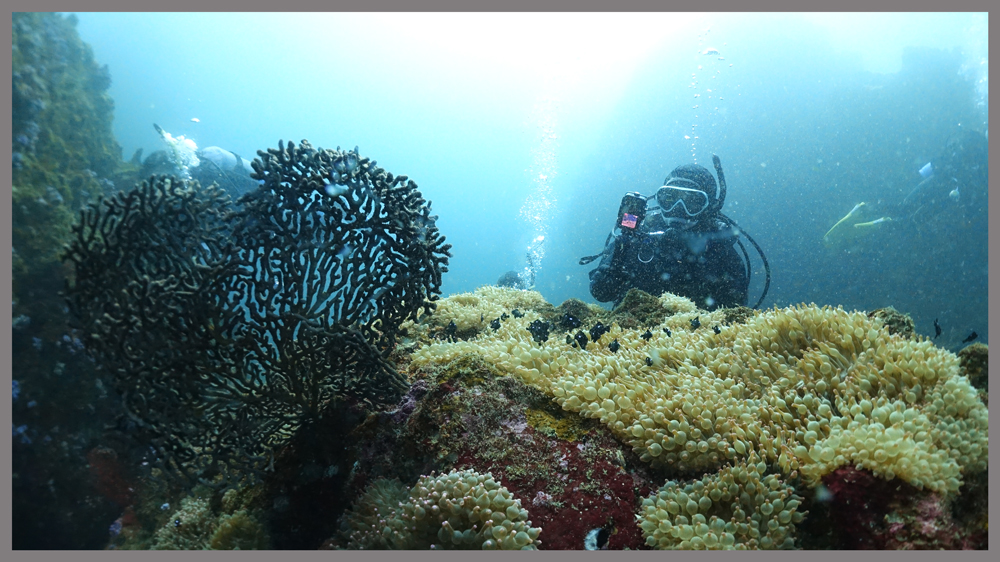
(146, 266)
(228, 328)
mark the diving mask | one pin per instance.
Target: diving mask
(693, 201)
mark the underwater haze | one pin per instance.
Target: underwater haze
(525, 130)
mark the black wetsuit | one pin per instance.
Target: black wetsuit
(701, 264)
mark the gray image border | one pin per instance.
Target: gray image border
(445, 6)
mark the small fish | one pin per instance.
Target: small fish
(971, 337)
(581, 338)
(954, 194)
(539, 331)
(710, 51)
(569, 339)
(927, 170)
(695, 323)
(570, 321)
(937, 329)
(598, 330)
(195, 120)
(517, 313)
(666, 331)
(450, 330)
(647, 335)
(716, 329)
(495, 324)
(504, 316)
(614, 346)
(596, 539)
(649, 362)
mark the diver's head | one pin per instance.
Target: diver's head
(511, 279)
(689, 193)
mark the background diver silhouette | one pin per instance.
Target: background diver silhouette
(956, 179)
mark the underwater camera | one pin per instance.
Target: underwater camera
(632, 210)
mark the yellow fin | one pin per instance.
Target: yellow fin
(835, 233)
(875, 222)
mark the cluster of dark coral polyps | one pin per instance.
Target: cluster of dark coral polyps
(227, 328)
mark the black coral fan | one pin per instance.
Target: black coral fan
(229, 327)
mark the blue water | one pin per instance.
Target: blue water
(520, 126)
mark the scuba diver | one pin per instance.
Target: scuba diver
(956, 180)
(958, 174)
(525, 279)
(207, 165)
(679, 241)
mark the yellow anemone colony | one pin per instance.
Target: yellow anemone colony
(474, 311)
(459, 510)
(806, 388)
(737, 508)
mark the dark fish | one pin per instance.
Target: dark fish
(495, 324)
(695, 323)
(937, 329)
(481, 318)
(647, 335)
(649, 361)
(539, 331)
(504, 316)
(517, 313)
(569, 340)
(569, 321)
(596, 539)
(613, 346)
(581, 338)
(971, 337)
(598, 330)
(450, 329)
(716, 329)
(667, 331)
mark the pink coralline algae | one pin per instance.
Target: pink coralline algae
(871, 513)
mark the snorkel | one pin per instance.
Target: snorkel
(721, 199)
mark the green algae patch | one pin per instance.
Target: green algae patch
(566, 427)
